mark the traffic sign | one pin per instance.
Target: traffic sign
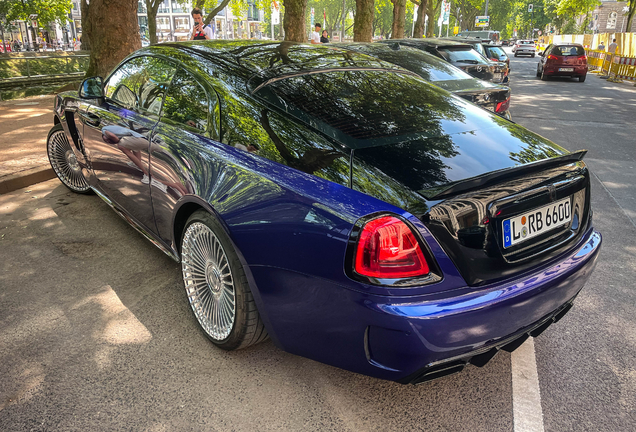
(530, 6)
(455, 30)
(482, 21)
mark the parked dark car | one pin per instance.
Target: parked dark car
(505, 42)
(493, 97)
(564, 60)
(355, 213)
(487, 49)
(458, 54)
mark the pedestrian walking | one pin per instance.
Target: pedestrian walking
(315, 35)
(200, 31)
(325, 37)
(612, 47)
(601, 46)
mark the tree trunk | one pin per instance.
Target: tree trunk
(630, 15)
(294, 20)
(151, 8)
(418, 29)
(363, 22)
(86, 25)
(112, 37)
(431, 11)
(399, 12)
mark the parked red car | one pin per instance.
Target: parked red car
(567, 59)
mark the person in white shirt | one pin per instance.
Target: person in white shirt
(200, 31)
(315, 36)
(612, 47)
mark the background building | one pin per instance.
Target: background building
(174, 22)
(609, 17)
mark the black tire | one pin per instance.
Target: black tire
(532, 56)
(538, 72)
(63, 161)
(515, 54)
(582, 78)
(206, 251)
(544, 77)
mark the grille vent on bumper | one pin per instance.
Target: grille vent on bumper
(483, 355)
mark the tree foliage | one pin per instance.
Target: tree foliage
(47, 10)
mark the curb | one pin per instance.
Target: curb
(25, 178)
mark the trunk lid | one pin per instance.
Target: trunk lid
(472, 184)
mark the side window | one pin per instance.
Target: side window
(140, 83)
(258, 130)
(187, 103)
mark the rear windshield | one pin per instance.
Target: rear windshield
(497, 52)
(359, 106)
(426, 65)
(461, 55)
(526, 42)
(568, 50)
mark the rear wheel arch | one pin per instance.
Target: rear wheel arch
(181, 217)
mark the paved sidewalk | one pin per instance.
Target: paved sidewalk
(24, 125)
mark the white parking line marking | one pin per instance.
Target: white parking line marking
(526, 397)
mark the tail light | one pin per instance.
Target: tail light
(503, 106)
(388, 249)
(551, 57)
(582, 59)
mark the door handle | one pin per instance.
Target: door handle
(91, 119)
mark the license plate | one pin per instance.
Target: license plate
(497, 76)
(566, 69)
(536, 222)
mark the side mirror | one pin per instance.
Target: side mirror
(92, 88)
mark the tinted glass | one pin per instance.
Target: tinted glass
(497, 53)
(479, 48)
(462, 55)
(140, 83)
(187, 103)
(568, 50)
(424, 163)
(364, 105)
(260, 131)
(426, 65)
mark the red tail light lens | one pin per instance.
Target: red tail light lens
(388, 249)
(552, 57)
(582, 59)
(503, 106)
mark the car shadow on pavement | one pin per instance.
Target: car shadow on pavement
(97, 333)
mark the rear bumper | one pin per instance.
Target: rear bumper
(554, 71)
(411, 340)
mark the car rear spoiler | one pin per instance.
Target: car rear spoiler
(454, 188)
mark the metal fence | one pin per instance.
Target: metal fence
(16, 68)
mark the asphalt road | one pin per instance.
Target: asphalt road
(96, 332)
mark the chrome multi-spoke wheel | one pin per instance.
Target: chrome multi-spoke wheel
(208, 281)
(217, 286)
(64, 162)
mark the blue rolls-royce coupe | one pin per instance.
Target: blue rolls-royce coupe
(341, 205)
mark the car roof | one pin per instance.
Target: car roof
(251, 58)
